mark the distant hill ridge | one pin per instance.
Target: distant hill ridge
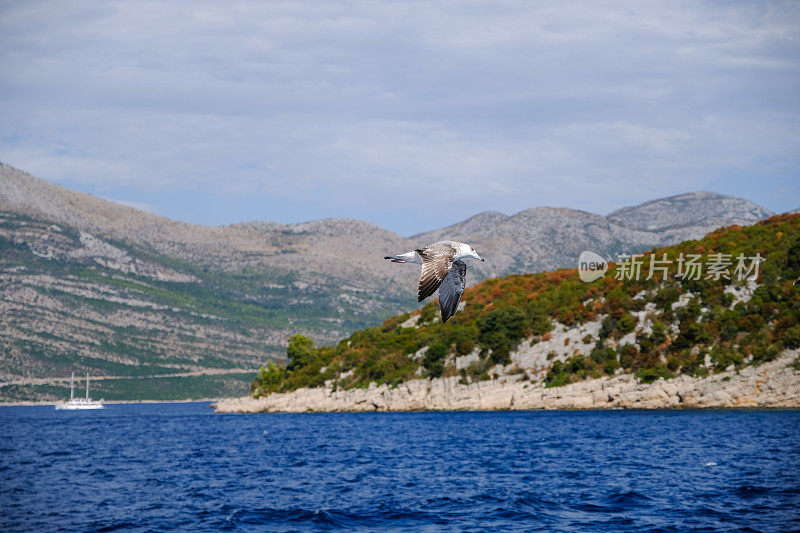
(540, 238)
(695, 208)
(81, 277)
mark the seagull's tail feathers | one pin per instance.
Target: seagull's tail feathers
(410, 257)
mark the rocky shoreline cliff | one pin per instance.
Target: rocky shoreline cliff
(774, 384)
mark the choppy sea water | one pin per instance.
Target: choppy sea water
(156, 467)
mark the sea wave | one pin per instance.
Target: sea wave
(180, 467)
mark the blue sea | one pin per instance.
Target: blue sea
(158, 467)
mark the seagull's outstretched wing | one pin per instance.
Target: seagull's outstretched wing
(437, 259)
(452, 288)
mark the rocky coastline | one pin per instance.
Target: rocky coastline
(775, 384)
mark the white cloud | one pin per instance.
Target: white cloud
(499, 105)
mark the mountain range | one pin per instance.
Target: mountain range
(91, 284)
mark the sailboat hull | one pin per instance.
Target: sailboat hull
(75, 405)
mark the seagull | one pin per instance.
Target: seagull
(443, 269)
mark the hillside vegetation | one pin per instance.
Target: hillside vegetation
(653, 328)
(71, 301)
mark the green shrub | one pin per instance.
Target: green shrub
(628, 356)
(601, 354)
(763, 353)
(427, 314)
(268, 380)
(610, 366)
(690, 311)
(575, 364)
(301, 352)
(673, 362)
(726, 323)
(501, 330)
(618, 301)
(666, 297)
(649, 375)
(607, 327)
(727, 299)
(659, 334)
(626, 323)
(465, 347)
(692, 334)
(793, 259)
(645, 343)
(791, 338)
(541, 325)
(477, 370)
(556, 376)
(434, 359)
(722, 357)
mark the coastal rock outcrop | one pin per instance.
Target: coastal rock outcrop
(773, 384)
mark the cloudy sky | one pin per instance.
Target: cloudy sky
(410, 115)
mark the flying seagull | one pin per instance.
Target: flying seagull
(443, 269)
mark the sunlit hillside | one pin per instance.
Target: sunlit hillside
(657, 327)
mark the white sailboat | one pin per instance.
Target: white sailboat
(79, 403)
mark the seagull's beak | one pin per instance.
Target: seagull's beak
(481, 258)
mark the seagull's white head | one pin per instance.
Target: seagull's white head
(465, 250)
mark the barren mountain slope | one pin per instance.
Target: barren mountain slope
(349, 253)
(346, 248)
(546, 238)
(691, 210)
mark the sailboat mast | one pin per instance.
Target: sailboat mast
(87, 385)
(72, 386)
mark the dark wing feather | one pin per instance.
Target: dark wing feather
(452, 288)
(436, 263)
